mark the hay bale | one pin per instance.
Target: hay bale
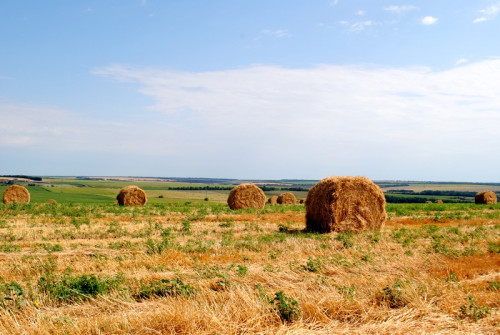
(273, 200)
(486, 197)
(16, 194)
(51, 201)
(131, 196)
(428, 202)
(345, 204)
(287, 199)
(439, 201)
(246, 196)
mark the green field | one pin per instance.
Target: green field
(74, 190)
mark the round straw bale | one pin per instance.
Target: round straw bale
(16, 194)
(246, 196)
(439, 201)
(131, 196)
(286, 199)
(486, 197)
(273, 200)
(428, 202)
(345, 204)
(51, 201)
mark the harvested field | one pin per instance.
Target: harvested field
(201, 268)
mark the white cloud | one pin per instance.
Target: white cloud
(488, 13)
(480, 19)
(429, 20)
(279, 33)
(361, 12)
(272, 122)
(492, 10)
(400, 9)
(356, 26)
(380, 118)
(462, 61)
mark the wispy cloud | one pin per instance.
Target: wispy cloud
(488, 13)
(429, 20)
(279, 33)
(361, 12)
(334, 2)
(357, 26)
(355, 111)
(400, 9)
(480, 19)
(461, 61)
(351, 120)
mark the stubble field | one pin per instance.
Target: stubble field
(197, 267)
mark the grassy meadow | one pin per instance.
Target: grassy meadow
(186, 263)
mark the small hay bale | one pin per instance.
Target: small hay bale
(439, 201)
(287, 199)
(273, 200)
(345, 204)
(51, 201)
(16, 194)
(428, 202)
(131, 196)
(486, 197)
(246, 196)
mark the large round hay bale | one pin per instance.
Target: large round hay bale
(246, 196)
(486, 197)
(131, 196)
(273, 200)
(439, 201)
(345, 204)
(16, 194)
(287, 199)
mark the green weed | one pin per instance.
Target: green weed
(474, 310)
(287, 307)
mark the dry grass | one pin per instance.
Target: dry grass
(411, 277)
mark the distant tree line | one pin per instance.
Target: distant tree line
(435, 193)
(398, 199)
(387, 184)
(230, 187)
(200, 188)
(23, 176)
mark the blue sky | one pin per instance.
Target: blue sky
(397, 89)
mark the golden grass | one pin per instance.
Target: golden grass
(237, 262)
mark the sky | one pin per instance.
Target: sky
(251, 89)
